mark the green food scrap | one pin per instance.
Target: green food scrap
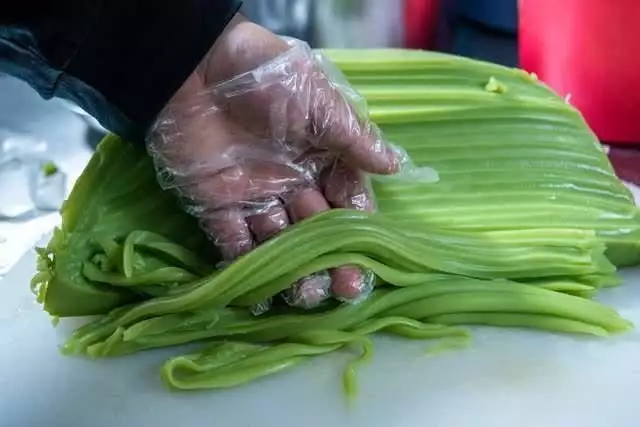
(49, 168)
(495, 86)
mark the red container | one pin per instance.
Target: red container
(588, 49)
(420, 23)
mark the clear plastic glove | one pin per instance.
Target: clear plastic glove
(265, 133)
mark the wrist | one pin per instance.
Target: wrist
(197, 80)
(242, 47)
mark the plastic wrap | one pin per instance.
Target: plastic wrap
(271, 146)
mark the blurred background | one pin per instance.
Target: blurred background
(570, 44)
(483, 29)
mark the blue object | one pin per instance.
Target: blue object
(500, 15)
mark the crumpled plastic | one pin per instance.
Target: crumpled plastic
(269, 147)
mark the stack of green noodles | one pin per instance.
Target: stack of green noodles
(526, 223)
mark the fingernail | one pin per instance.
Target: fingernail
(352, 284)
(310, 291)
(397, 158)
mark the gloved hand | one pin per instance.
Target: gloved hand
(264, 134)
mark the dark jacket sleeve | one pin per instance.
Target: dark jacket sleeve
(120, 60)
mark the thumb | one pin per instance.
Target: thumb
(339, 126)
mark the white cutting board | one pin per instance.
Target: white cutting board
(505, 378)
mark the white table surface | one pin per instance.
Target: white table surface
(505, 378)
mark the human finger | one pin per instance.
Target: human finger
(347, 188)
(229, 232)
(267, 224)
(346, 282)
